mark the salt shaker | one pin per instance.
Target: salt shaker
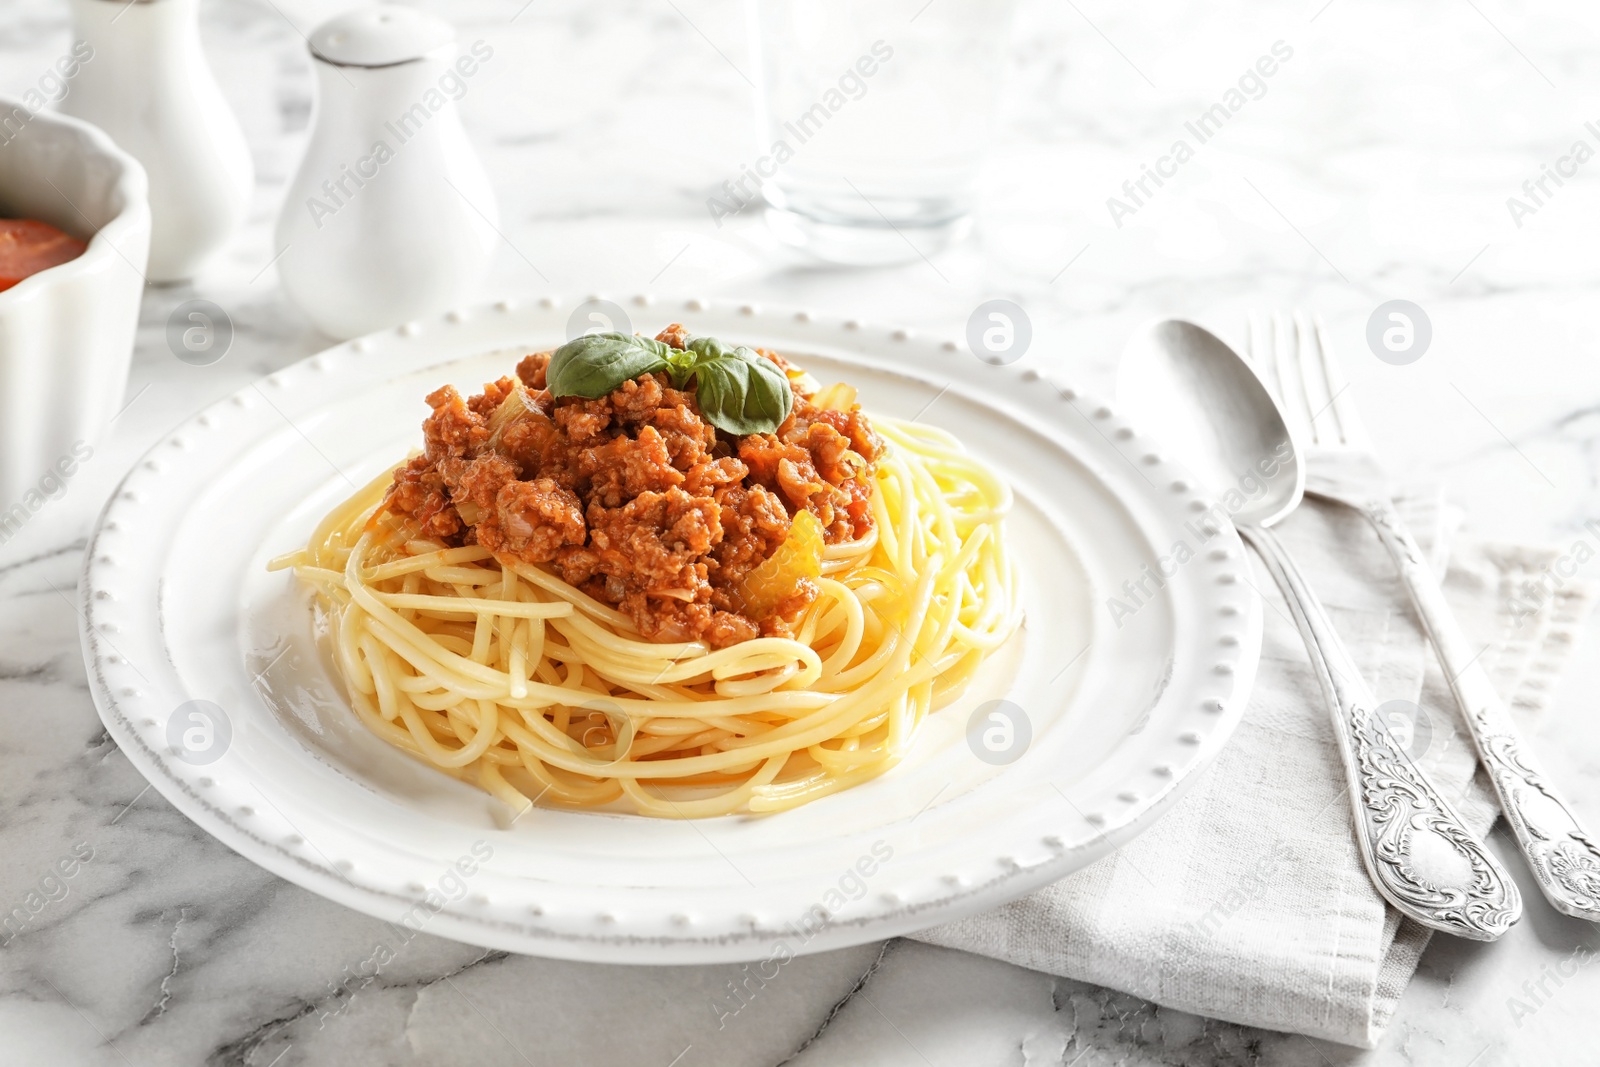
(149, 87)
(391, 215)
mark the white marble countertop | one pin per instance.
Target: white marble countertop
(1377, 165)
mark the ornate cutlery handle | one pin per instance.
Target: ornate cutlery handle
(1564, 857)
(1419, 855)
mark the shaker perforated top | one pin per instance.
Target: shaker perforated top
(380, 36)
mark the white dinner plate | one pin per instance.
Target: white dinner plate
(1112, 712)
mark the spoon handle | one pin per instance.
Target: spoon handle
(1564, 858)
(1416, 850)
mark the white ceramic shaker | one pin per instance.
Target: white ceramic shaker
(149, 87)
(391, 215)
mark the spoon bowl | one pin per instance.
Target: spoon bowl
(1212, 408)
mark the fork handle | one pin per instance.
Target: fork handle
(1564, 857)
(1420, 856)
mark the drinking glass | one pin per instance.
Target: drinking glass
(873, 120)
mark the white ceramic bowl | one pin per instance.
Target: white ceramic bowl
(66, 334)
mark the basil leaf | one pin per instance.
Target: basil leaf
(596, 363)
(707, 349)
(680, 365)
(738, 390)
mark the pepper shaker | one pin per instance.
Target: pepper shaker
(149, 87)
(391, 215)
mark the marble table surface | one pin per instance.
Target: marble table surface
(1377, 164)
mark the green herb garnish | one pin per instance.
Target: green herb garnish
(738, 390)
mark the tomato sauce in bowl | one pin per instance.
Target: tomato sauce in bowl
(28, 247)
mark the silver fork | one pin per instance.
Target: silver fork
(1341, 467)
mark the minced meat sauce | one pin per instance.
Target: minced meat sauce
(634, 497)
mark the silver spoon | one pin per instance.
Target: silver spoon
(1207, 404)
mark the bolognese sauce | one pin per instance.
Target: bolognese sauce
(638, 500)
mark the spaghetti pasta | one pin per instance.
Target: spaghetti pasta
(499, 672)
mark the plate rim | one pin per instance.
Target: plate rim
(608, 937)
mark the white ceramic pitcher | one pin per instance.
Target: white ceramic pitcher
(149, 87)
(391, 215)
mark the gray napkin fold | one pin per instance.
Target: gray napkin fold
(1248, 901)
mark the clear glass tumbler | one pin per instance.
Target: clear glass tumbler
(873, 119)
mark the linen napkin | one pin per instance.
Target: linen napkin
(1248, 902)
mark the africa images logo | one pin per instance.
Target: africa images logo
(850, 85)
(1195, 533)
(1537, 191)
(1251, 85)
(339, 189)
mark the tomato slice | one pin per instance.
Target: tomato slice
(28, 247)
